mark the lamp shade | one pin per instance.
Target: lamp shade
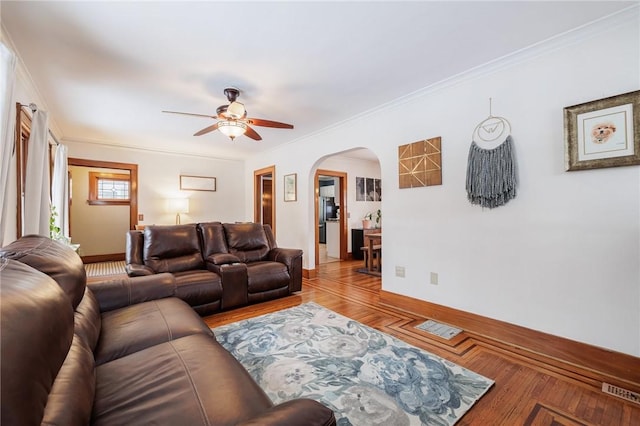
(232, 128)
(177, 205)
(236, 110)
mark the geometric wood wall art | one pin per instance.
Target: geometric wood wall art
(420, 163)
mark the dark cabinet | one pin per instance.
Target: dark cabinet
(357, 241)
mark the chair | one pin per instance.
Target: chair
(376, 263)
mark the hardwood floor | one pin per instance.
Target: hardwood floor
(531, 388)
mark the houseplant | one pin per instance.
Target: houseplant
(366, 221)
(55, 233)
(54, 230)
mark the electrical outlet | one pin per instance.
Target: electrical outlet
(434, 278)
(400, 271)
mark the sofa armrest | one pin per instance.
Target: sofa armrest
(118, 293)
(234, 283)
(222, 259)
(295, 412)
(293, 259)
(285, 255)
(136, 270)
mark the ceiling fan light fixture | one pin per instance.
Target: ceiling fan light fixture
(232, 128)
(232, 119)
(236, 110)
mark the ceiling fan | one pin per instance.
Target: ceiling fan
(233, 120)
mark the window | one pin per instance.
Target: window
(109, 189)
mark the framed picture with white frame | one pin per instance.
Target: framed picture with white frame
(290, 187)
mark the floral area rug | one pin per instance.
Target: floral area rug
(365, 376)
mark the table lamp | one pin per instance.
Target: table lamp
(177, 206)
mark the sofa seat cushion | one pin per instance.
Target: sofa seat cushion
(136, 327)
(198, 287)
(265, 276)
(189, 381)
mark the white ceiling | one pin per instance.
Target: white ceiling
(106, 70)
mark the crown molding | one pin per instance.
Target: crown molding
(606, 24)
(609, 23)
(110, 145)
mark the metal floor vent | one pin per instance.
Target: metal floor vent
(439, 329)
(621, 392)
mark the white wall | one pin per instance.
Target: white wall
(563, 256)
(159, 179)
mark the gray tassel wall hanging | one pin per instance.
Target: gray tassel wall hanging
(492, 176)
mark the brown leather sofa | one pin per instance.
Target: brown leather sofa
(216, 265)
(117, 352)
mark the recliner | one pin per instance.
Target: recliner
(176, 250)
(217, 266)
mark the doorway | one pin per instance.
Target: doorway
(88, 227)
(330, 217)
(264, 207)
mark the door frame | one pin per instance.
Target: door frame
(257, 195)
(342, 177)
(133, 178)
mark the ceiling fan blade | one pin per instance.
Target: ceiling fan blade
(190, 113)
(252, 134)
(207, 129)
(268, 123)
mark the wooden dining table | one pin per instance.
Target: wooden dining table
(374, 239)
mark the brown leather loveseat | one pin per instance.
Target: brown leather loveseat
(117, 352)
(216, 265)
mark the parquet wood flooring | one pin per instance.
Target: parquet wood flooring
(530, 389)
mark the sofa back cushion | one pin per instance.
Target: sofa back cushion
(134, 247)
(172, 248)
(36, 331)
(268, 232)
(247, 241)
(88, 320)
(213, 238)
(53, 258)
(71, 398)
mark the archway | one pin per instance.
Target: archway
(347, 166)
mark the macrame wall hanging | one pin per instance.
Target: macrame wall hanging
(491, 169)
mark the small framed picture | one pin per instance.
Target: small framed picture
(603, 133)
(361, 192)
(198, 183)
(290, 190)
